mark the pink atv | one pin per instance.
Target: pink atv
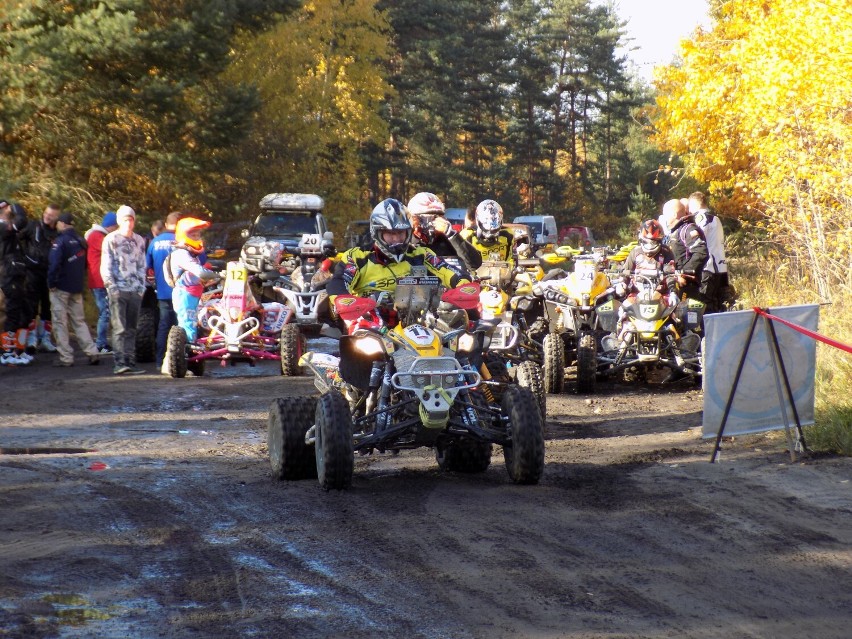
(233, 327)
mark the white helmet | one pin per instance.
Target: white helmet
(425, 204)
(489, 219)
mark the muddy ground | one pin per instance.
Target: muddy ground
(143, 507)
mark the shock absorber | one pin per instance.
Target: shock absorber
(486, 388)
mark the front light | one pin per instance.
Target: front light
(466, 343)
(369, 346)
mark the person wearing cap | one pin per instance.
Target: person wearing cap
(36, 239)
(123, 274)
(94, 239)
(66, 273)
(13, 284)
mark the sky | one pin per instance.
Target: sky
(657, 26)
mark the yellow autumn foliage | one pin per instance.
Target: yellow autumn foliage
(760, 108)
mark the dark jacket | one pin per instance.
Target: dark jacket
(67, 262)
(12, 264)
(690, 252)
(36, 240)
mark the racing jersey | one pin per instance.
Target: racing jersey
(362, 271)
(499, 251)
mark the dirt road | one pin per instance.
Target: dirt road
(142, 507)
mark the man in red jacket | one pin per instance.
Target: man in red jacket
(95, 238)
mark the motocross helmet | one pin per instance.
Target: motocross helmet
(425, 204)
(390, 215)
(423, 208)
(489, 219)
(523, 245)
(188, 225)
(651, 237)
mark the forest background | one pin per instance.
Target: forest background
(207, 105)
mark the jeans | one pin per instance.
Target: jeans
(102, 302)
(168, 318)
(124, 314)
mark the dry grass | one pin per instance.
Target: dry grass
(764, 283)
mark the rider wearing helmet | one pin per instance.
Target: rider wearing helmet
(392, 256)
(493, 242)
(433, 230)
(188, 273)
(651, 255)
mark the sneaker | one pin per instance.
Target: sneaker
(60, 364)
(26, 357)
(120, 370)
(32, 342)
(46, 345)
(12, 359)
(104, 350)
(132, 370)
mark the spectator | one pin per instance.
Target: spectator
(123, 273)
(715, 276)
(36, 240)
(66, 273)
(156, 255)
(688, 246)
(95, 238)
(13, 270)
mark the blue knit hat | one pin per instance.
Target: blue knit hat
(109, 219)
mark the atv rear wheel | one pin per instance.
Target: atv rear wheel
(463, 456)
(176, 352)
(291, 346)
(587, 364)
(528, 375)
(524, 455)
(335, 457)
(146, 334)
(288, 422)
(554, 363)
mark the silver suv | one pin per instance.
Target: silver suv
(275, 233)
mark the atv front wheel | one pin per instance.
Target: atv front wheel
(291, 346)
(587, 364)
(524, 455)
(288, 422)
(334, 454)
(528, 375)
(554, 363)
(176, 352)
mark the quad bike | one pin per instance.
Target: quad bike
(303, 291)
(656, 331)
(509, 355)
(234, 327)
(398, 384)
(572, 306)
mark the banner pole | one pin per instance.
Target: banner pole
(787, 383)
(730, 402)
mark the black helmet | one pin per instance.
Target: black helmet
(390, 215)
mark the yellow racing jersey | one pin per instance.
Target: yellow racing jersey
(498, 251)
(361, 272)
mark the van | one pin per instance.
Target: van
(543, 228)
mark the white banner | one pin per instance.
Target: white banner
(757, 406)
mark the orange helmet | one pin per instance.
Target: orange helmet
(187, 225)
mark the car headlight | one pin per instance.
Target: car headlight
(369, 346)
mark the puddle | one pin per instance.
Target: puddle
(45, 450)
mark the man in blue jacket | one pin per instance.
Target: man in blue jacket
(156, 254)
(66, 273)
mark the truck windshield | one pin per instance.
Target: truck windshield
(285, 224)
